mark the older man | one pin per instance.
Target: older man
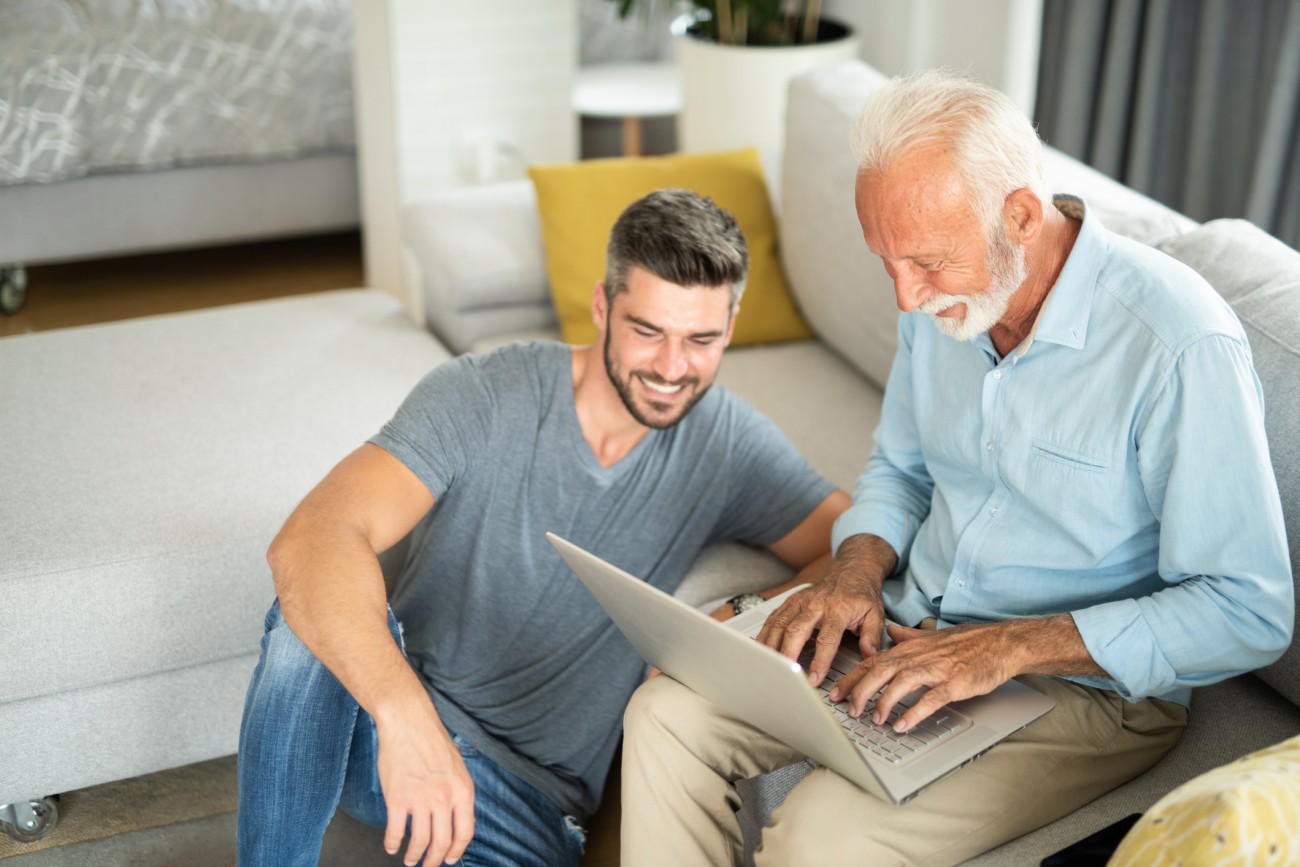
(485, 725)
(1070, 484)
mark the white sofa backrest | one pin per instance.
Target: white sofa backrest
(840, 286)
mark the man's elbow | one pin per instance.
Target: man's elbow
(1278, 638)
(1273, 632)
(281, 555)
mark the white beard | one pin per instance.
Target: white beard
(1007, 270)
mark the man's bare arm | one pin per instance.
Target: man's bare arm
(332, 595)
(812, 537)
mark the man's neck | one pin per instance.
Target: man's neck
(609, 429)
(1046, 258)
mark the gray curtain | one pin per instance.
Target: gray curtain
(1194, 102)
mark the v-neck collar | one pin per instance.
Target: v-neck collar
(585, 455)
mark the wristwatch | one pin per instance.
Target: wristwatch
(745, 601)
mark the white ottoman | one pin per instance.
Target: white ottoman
(144, 468)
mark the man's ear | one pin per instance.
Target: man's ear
(1022, 214)
(731, 327)
(599, 306)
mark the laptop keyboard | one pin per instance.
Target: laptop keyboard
(894, 747)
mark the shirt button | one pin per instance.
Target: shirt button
(997, 374)
(961, 582)
(993, 511)
(989, 445)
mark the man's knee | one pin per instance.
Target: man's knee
(281, 646)
(287, 670)
(657, 705)
(826, 819)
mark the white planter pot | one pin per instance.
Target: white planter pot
(734, 96)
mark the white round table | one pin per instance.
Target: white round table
(630, 91)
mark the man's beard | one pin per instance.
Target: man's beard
(1007, 270)
(623, 385)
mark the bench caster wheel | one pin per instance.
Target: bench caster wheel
(13, 289)
(27, 821)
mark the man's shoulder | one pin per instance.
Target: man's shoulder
(510, 379)
(1162, 297)
(521, 355)
(721, 405)
(725, 422)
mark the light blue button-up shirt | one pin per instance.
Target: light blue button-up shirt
(1113, 466)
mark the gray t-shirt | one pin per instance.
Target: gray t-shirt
(518, 657)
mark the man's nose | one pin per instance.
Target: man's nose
(670, 362)
(911, 288)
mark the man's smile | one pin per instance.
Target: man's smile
(663, 388)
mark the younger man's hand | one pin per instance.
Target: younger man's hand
(424, 779)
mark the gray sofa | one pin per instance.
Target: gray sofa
(146, 465)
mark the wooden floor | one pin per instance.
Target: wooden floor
(84, 293)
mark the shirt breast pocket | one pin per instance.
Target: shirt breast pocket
(1056, 461)
(1079, 499)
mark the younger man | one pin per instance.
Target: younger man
(485, 723)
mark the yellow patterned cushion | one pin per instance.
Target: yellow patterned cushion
(1244, 813)
(579, 202)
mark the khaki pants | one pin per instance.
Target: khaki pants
(681, 754)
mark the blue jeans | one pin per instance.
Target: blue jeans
(306, 748)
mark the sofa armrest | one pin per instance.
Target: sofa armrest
(479, 264)
(726, 569)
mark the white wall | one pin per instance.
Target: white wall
(482, 89)
(996, 39)
(451, 93)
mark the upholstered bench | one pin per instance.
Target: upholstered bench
(144, 468)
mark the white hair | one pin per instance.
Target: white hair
(996, 150)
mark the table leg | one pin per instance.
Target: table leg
(631, 136)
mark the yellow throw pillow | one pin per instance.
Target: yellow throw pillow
(1245, 813)
(579, 203)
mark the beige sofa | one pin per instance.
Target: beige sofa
(826, 393)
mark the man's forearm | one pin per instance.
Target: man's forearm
(1038, 645)
(1047, 645)
(866, 558)
(332, 595)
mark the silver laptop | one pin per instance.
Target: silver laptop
(758, 685)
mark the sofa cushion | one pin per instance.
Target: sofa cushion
(841, 287)
(1247, 812)
(1260, 277)
(579, 203)
(146, 460)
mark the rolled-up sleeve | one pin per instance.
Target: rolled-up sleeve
(1227, 605)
